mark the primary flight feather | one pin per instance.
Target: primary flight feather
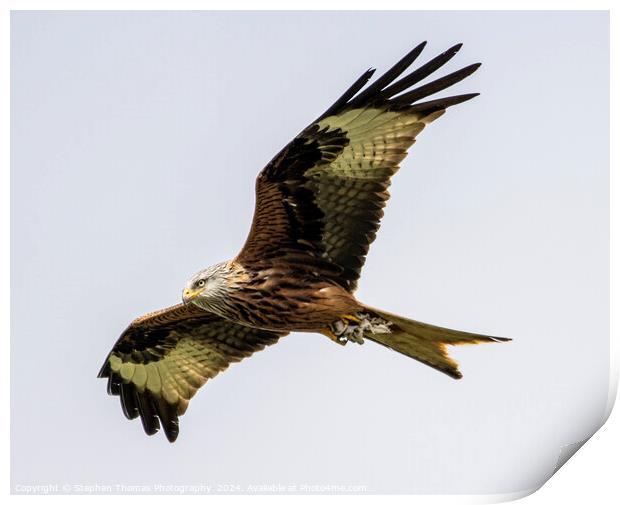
(319, 204)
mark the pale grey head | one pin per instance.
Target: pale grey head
(207, 288)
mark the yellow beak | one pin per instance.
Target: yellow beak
(190, 294)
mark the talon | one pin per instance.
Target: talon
(332, 336)
(353, 328)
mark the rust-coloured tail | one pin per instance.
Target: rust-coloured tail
(424, 342)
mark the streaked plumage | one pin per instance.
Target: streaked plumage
(319, 203)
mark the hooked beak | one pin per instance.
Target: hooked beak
(190, 294)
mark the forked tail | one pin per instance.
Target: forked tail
(424, 342)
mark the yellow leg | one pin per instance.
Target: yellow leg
(329, 333)
(351, 317)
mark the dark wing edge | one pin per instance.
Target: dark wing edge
(384, 91)
(308, 211)
(163, 358)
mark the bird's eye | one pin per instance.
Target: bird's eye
(200, 283)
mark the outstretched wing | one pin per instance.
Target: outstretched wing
(319, 202)
(162, 358)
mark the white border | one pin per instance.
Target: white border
(590, 475)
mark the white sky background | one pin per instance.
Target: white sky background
(136, 138)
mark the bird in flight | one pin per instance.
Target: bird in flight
(319, 203)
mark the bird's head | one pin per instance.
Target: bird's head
(207, 287)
